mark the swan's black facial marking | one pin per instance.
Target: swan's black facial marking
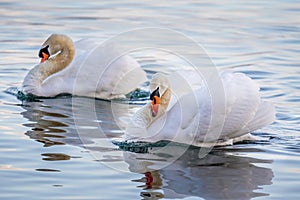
(154, 93)
(155, 98)
(45, 51)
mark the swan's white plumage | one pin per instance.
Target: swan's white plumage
(97, 70)
(187, 119)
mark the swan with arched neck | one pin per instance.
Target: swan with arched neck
(187, 117)
(85, 68)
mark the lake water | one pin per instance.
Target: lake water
(45, 154)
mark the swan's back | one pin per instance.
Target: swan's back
(244, 109)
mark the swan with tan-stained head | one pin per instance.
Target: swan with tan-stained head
(187, 115)
(85, 68)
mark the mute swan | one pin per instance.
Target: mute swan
(85, 69)
(185, 118)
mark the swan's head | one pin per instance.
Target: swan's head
(55, 44)
(159, 87)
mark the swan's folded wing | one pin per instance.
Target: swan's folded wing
(264, 116)
(84, 45)
(183, 82)
(131, 77)
(242, 101)
(110, 73)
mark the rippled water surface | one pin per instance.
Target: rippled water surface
(48, 152)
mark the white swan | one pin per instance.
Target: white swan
(186, 117)
(85, 69)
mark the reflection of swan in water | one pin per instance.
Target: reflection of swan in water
(222, 174)
(52, 121)
(86, 69)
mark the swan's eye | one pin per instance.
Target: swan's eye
(155, 93)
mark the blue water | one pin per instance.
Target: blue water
(47, 152)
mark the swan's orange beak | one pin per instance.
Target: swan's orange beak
(155, 105)
(45, 57)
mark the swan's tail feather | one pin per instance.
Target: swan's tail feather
(265, 115)
(242, 102)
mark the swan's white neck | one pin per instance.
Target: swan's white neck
(144, 118)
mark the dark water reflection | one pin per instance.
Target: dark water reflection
(225, 173)
(222, 174)
(47, 125)
(51, 121)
